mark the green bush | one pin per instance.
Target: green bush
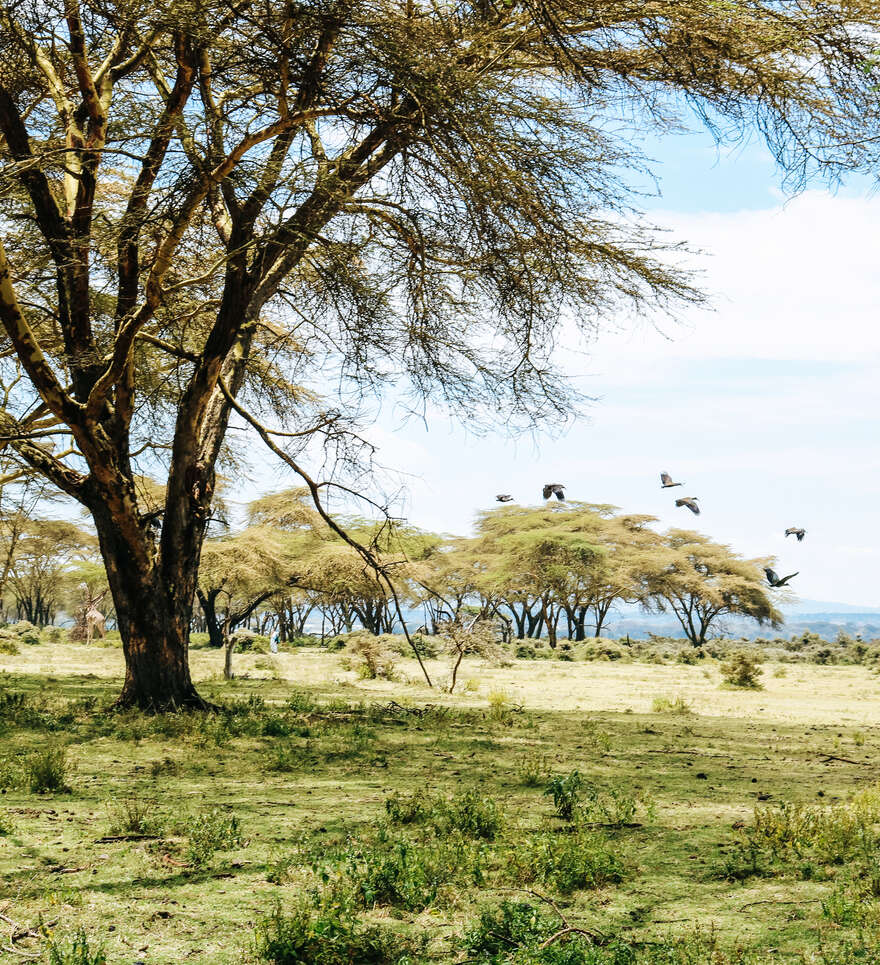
(76, 951)
(8, 644)
(210, 832)
(566, 793)
(46, 771)
(510, 925)
(25, 632)
(471, 813)
(396, 871)
(742, 670)
(533, 769)
(331, 936)
(134, 815)
(571, 862)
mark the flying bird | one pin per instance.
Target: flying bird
(774, 580)
(556, 489)
(795, 531)
(690, 502)
(504, 498)
(666, 481)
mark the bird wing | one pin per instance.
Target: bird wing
(548, 492)
(691, 505)
(559, 493)
(785, 579)
(801, 533)
(665, 478)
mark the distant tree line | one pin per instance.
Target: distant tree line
(549, 572)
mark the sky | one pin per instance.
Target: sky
(765, 404)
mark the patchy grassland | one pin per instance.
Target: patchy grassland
(315, 800)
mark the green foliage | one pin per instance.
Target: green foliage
(742, 670)
(470, 813)
(612, 806)
(567, 862)
(8, 645)
(46, 771)
(135, 815)
(209, 832)
(533, 769)
(566, 793)
(510, 925)
(396, 871)
(329, 935)
(75, 951)
(24, 631)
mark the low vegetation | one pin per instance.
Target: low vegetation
(359, 819)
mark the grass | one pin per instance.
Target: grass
(327, 820)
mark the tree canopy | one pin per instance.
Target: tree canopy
(272, 209)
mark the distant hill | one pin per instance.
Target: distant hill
(822, 606)
(826, 624)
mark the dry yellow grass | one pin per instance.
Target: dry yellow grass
(808, 693)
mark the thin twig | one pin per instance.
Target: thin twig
(314, 489)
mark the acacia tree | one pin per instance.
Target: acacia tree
(40, 570)
(207, 204)
(702, 581)
(238, 573)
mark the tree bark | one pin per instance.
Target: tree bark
(153, 612)
(208, 603)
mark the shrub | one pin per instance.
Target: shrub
(499, 705)
(567, 862)
(74, 952)
(376, 660)
(533, 769)
(210, 832)
(406, 874)
(510, 925)
(828, 834)
(742, 670)
(679, 706)
(55, 634)
(614, 806)
(566, 793)
(300, 703)
(8, 645)
(471, 813)
(275, 726)
(25, 631)
(46, 771)
(134, 815)
(474, 814)
(329, 937)
(407, 808)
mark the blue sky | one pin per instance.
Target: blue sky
(765, 405)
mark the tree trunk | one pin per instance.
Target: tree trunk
(153, 613)
(229, 645)
(208, 603)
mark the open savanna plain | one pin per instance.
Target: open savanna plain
(555, 811)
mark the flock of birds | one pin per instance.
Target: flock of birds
(558, 490)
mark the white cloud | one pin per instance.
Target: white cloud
(767, 406)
